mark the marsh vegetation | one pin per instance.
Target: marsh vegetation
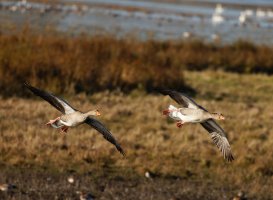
(91, 64)
(117, 77)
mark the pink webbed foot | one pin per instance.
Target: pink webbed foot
(179, 124)
(166, 112)
(52, 121)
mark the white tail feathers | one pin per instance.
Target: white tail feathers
(171, 107)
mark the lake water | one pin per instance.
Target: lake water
(162, 20)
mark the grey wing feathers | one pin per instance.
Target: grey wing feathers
(219, 138)
(57, 102)
(181, 98)
(106, 133)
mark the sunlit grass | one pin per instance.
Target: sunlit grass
(152, 143)
(116, 77)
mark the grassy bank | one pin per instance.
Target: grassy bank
(88, 64)
(184, 161)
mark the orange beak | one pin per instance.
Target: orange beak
(97, 113)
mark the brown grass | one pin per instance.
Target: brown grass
(152, 142)
(89, 64)
(86, 64)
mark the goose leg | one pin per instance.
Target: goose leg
(179, 124)
(52, 121)
(64, 129)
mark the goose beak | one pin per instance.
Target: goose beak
(97, 113)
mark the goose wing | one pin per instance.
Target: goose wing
(105, 132)
(219, 138)
(182, 99)
(59, 103)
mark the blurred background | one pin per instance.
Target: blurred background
(112, 55)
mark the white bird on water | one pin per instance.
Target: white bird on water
(260, 13)
(242, 18)
(219, 9)
(187, 35)
(217, 17)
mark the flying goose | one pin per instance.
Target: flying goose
(191, 112)
(72, 117)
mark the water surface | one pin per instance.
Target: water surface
(148, 19)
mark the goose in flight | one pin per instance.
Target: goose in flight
(191, 112)
(72, 117)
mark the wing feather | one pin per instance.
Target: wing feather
(219, 138)
(59, 103)
(105, 132)
(181, 99)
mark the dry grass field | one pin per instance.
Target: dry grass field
(183, 163)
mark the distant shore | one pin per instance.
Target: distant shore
(146, 19)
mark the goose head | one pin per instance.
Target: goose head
(93, 113)
(217, 116)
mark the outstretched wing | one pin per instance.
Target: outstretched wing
(106, 133)
(59, 103)
(181, 99)
(217, 133)
(219, 138)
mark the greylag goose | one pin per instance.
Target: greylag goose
(191, 112)
(71, 117)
